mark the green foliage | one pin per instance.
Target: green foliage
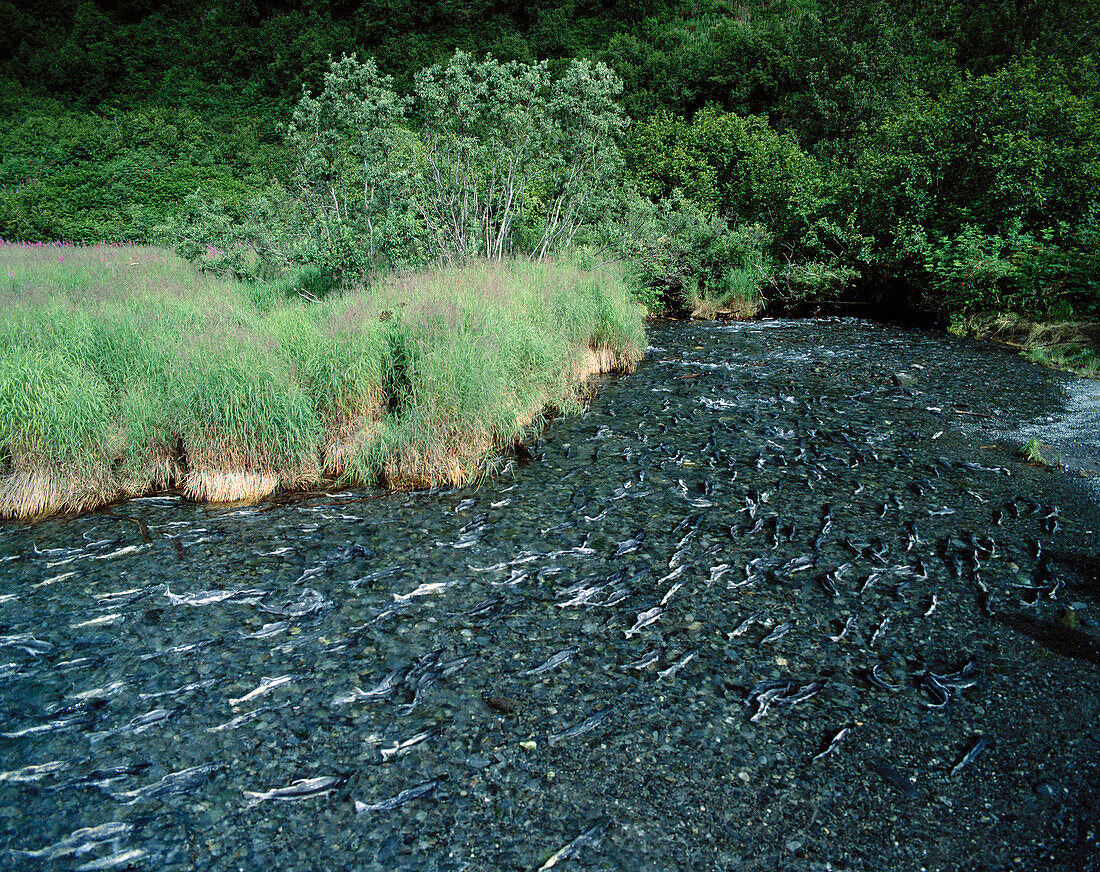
(347, 143)
(684, 258)
(738, 167)
(751, 211)
(116, 175)
(936, 154)
(509, 146)
(984, 197)
(507, 158)
(1033, 452)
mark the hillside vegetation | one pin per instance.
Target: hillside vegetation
(940, 157)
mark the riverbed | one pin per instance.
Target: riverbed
(787, 597)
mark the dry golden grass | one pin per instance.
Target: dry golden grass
(453, 462)
(35, 488)
(710, 308)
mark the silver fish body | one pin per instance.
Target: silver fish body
(553, 662)
(778, 633)
(405, 796)
(589, 838)
(645, 619)
(173, 782)
(586, 726)
(265, 686)
(303, 788)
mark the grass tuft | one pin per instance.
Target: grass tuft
(1073, 346)
(123, 371)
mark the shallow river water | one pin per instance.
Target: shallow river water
(785, 598)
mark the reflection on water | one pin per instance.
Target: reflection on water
(770, 589)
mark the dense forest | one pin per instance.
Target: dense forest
(940, 157)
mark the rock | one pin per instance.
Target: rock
(904, 379)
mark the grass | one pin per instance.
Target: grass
(739, 297)
(1033, 452)
(1073, 346)
(125, 371)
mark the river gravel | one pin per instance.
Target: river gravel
(786, 598)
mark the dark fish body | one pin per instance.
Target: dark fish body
(848, 625)
(937, 692)
(103, 777)
(83, 719)
(26, 642)
(589, 838)
(81, 841)
(677, 666)
(405, 796)
(630, 545)
(173, 782)
(832, 744)
(744, 626)
(778, 633)
(803, 693)
(485, 606)
(644, 663)
(309, 602)
(553, 662)
(962, 678)
(401, 748)
(875, 677)
(880, 631)
(764, 699)
(893, 777)
(385, 688)
(973, 751)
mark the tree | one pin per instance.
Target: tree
(504, 145)
(348, 141)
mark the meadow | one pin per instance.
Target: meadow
(126, 371)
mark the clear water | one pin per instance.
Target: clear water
(692, 630)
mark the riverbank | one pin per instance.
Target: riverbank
(124, 371)
(1073, 346)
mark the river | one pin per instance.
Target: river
(787, 597)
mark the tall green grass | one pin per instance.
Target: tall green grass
(123, 370)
